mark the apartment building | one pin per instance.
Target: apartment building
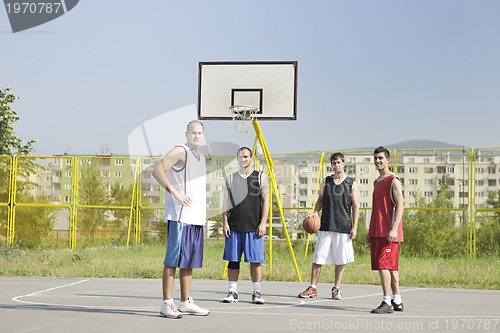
(297, 177)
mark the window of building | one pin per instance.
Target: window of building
(429, 181)
(428, 194)
(119, 161)
(118, 174)
(428, 170)
(364, 170)
(363, 181)
(219, 187)
(413, 181)
(480, 182)
(363, 193)
(412, 170)
(479, 194)
(219, 162)
(479, 170)
(363, 204)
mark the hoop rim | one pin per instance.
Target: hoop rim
(244, 108)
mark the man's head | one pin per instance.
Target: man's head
(337, 161)
(244, 156)
(195, 132)
(381, 157)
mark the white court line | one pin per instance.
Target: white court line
(16, 299)
(229, 309)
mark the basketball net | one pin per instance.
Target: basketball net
(242, 117)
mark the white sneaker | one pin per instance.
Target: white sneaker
(257, 297)
(188, 307)
(232, 296)
(169, 310)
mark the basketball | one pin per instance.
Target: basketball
(311, 223)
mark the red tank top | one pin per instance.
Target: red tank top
(383, 210)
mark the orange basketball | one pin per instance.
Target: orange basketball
(311, 223)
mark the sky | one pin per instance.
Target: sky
(370, 72)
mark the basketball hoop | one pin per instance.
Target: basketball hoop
(242, 117)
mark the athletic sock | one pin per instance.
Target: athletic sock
(387, 299)
(233, 285)
(396, 299)
(313, 286)
(256, 286)
(169, 300)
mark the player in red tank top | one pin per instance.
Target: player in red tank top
(386, 231)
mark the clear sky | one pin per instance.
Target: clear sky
(371, 72)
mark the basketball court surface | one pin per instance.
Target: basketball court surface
(59, 305)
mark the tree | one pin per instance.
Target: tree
(431, 230)
(33, 224)
(92, 192)
(10, 144)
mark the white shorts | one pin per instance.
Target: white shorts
(333, 248)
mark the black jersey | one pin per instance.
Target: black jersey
(337, 206)
(244, 216)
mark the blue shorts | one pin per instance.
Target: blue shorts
(185, 245)
(244, 242)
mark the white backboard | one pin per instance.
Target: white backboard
(269, 86)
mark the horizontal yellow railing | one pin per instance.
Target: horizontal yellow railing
(74, 166)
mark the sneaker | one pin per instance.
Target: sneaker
(310, 292)
(336, 294)
(383, 308)
(397, 307)
(257, 297)
(169, 310)
(188, 307)
(232, 297)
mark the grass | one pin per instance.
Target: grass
(145, 261)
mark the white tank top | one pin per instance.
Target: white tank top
(190, 180)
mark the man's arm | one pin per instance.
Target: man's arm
(397, 194)
(226, 205)
(355, 209)
(319, 202)
(175, 157)
(264, 186)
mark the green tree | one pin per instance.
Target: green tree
(488, 228)
(432, 229)
(121, 196)
(216, 228)
(33, 224)
(11, 145)
(92, 192)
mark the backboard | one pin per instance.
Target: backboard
(271, 86)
